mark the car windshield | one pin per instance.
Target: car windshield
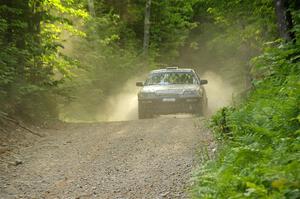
(167, 78)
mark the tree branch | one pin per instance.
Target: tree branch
(5, 116)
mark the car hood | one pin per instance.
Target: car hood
(169, 89)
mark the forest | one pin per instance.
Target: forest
(59, 54)
(62, 60)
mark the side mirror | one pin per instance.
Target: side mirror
(139, 84)
(204, 81)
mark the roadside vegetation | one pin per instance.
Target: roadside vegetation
(259, 138)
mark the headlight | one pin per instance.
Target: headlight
(146, 95)
(192, 93)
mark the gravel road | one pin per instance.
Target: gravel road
(134, 159)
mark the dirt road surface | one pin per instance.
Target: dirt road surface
(135, 159)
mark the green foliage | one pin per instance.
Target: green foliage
(111, 56)
(260, 138)
(30, 58)
(228, 34)
(113, 49)
(55, 54)
(242, 24)
(172, 20)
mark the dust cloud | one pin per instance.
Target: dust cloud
(219, 91)
(123, 106)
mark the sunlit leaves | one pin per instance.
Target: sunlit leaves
(63, 7)
(31, 43)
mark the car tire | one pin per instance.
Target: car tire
(142, 113)
(205, 108)
(202, 108)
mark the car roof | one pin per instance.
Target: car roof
(173, 69)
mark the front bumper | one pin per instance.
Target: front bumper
(170, 105)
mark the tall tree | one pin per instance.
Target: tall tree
(284, 19)
(91, 8)
(147, 27)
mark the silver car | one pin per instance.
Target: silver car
(170, 91)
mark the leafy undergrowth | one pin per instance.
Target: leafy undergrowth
(259, 140)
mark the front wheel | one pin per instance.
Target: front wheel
(202, 108)
(142, 113)
(205, 109)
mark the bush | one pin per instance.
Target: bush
(260, 156)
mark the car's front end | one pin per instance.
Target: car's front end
(169, 101)
(167, 98)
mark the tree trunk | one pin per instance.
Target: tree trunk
(297, 5)
(147, 27)
(91, 8)
(9, 33)
(284, 19)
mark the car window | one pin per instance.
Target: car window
(168, 78)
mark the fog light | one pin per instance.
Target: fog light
(192, 100)
(147, 102)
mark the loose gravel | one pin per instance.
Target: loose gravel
(118, 160)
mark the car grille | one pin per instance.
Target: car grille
(169, 95)
(179, 106)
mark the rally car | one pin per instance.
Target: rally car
(171, 90)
